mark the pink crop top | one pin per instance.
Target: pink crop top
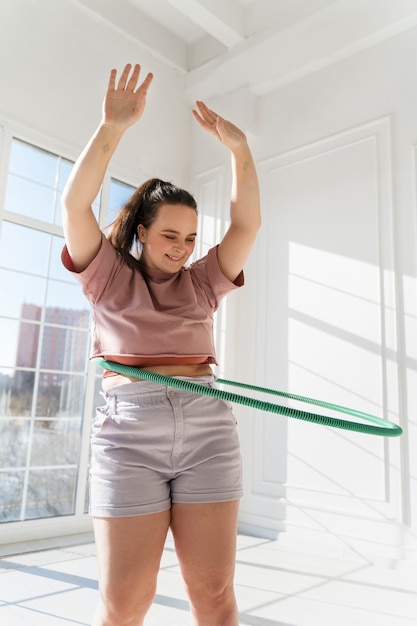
(152, 317)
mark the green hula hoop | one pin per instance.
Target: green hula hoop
(378, 425)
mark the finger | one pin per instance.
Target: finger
(133, 79)
(146, 83)
(206, 112)
(112, 80)
(123, 78)
(208, 126)
(200, 120)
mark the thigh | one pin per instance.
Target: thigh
(131, 444)
(129, 551)
(210, 466)
(205, 541)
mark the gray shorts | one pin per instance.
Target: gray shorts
(153, 445)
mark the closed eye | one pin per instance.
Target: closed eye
(173, 238)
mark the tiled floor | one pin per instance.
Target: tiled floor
(58, 587)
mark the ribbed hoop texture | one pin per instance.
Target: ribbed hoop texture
(378, 426)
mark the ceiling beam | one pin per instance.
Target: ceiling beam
(279, 57)
(222, 20)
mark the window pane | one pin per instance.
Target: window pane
(28, 198)
(50, 493)
(24, 249)
(64, 348)
(28, 343)
(11, 490)
(20, 397)
(56, 442)
(14, 434)
(5, 391)
(60, 395)
(31, 312)
(32, 163)
(35, 182)
(118, 194)
(16, 393)
(19, 343)
(69, 296)
(17, 289)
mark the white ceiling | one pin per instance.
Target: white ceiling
(229, 22)
(221, 45)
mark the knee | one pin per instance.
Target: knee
(125, 607)
(211, 592)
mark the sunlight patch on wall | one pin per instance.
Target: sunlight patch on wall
(334, 310)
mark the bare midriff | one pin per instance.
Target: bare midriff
(190, 370)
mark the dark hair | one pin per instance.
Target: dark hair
(142, 208)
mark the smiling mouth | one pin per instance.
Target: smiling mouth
(174, 258)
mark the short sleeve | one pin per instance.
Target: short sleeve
(207, 274)
(101, 272)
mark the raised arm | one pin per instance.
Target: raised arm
(245, 216)
(123, 105)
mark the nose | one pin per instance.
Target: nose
(179, 246)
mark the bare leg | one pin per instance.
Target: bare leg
(129, 551)
(205, 541)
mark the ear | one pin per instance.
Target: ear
(141, 233)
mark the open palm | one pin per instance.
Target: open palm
(125, 101)
(226, 132)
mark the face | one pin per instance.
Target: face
(169, 241)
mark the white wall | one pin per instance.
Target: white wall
(55, 60)
(330, 307)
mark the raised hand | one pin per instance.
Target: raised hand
(226, 132)
(125, 102)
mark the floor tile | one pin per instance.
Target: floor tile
(274, 587)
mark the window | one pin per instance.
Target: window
(118, 194)
(44, 325)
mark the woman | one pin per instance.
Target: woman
(160, 458)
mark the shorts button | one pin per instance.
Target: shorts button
(171, 393)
